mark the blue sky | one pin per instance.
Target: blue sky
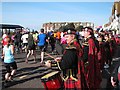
(34, 14)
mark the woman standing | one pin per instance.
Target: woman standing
(101, 53)
(8, 54)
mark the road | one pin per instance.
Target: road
(28, 75)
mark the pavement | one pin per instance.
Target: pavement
(28, 75)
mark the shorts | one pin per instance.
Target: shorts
(42, 48)
(25, 44)
(9, 65)
(18, 44)
(32, 47)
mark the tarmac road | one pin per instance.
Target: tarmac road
(28, 75)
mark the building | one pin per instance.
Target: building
(114, 20)
(115, 24)
(51, 26)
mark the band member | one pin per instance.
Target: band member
(101, 53)
(112, 44)
(92, 68)
(70, 62)
(107, 51)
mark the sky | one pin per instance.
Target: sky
(34, 14)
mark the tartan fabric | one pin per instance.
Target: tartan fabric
(101, 55)
(81, 83)
(70, 84)
(93, 75)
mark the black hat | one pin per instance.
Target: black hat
(89, 29)
(42, 30)
(69, 31)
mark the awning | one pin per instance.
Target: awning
(8, 26)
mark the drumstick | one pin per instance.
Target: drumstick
(50, 55)
(54, 59)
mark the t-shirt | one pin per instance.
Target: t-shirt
(58, 35)
(8, 57)
(18, 37)
(35, 36)
(25, 38)
(55, 35)
(42, 39)
(30, 40)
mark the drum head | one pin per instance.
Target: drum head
(49, 76)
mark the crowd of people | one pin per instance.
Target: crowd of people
(84, 54)
(85, 57)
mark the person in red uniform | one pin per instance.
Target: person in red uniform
(107, 51)
(112, 44)
(101, 53)
(71, 63)
(92, 68)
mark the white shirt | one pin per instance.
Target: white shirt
(61, 34)
(24, 38)
(4, 35)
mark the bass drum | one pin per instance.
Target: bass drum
(52, 81)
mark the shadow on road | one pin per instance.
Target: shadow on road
(30, 72)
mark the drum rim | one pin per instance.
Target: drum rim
(49, 78)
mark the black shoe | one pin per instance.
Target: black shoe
(6, 83)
